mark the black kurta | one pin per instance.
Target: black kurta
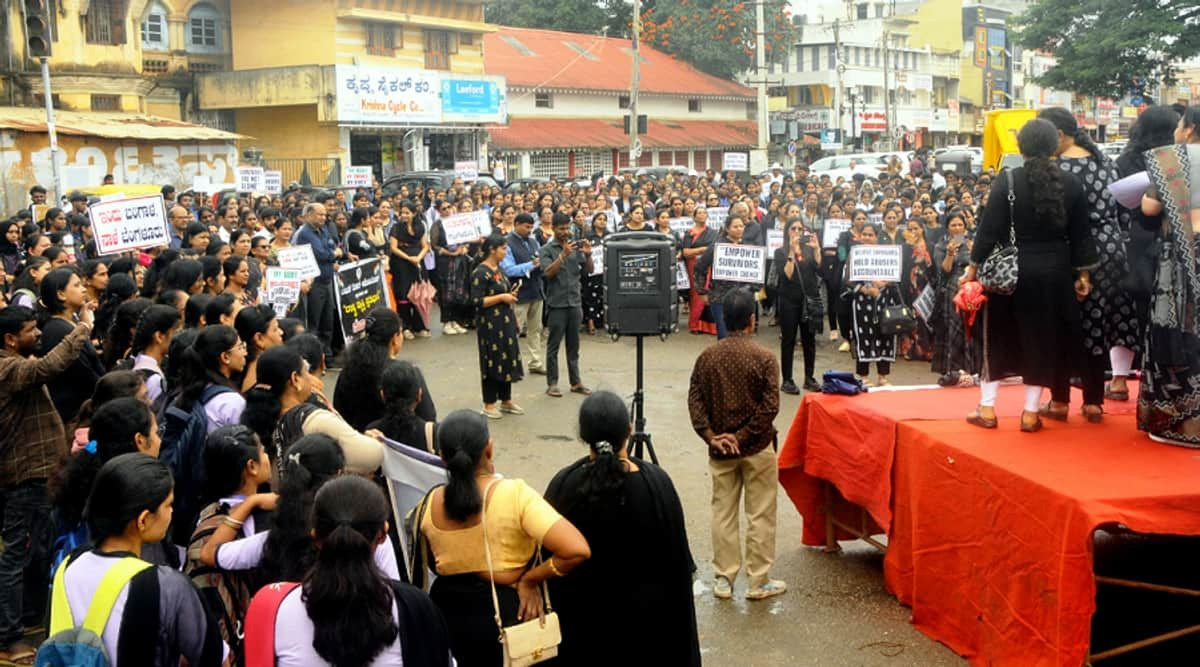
(495, 327)
(1035, 332)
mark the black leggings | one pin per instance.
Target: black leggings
(791, 320)
(494, 390)
(1091, 373)
(863, 368)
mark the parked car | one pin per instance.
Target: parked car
(523, 184)
(870, 165)
(438, 180)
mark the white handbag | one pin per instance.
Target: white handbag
(530, 642)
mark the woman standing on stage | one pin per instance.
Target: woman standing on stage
(1034, 333)
(1172, 365)
(1110, 329)
(694, 242)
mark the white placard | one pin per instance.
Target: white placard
(301, 258)
(735, 162)
(129, 223)
(358, 177)
(875, 219)
(682, 279)
(273, 182)
(717, 216)
(597, 260)
(739, 263)
(871, 263)
(680, 225)
(923, 304)
(281, 288)
(774, 240)
(468, 170)
(462, 228)
(251, 179)
(833, 231)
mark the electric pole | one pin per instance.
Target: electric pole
(38, 39)
(887, 108)
(841, 69)
(635, 145)
(758, 158)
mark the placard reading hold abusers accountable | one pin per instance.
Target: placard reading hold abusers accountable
(871, 263)
(739, 263)
(463, 228)
(129, 223)
(359, 288)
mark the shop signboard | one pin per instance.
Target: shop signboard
(387, 95)
(474, 98)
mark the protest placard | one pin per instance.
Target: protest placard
(251, 179)
(680, 225)
(301, 258)
(739, 263)
(129, 223)
(923, 304)
(682, 280)
(717, 216)
(281, 288)
(875, 218)
(358, 177)
(833, 230)
(735, 162)
(273, 182)
(468, 170)
(774, 241)
(871, 263)
(462, 228)
(597, 259)
(359, 287)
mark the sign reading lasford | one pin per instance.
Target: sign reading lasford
(386, 95)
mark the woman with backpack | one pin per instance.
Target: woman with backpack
(278, 410)
(356, 396)
(162, 620)
(208, 369)
(151, 340)
(236, 466)
(112, 385)
(286, 551)
(346, 612)
(30, 273)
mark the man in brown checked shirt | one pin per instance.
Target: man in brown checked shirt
(733, 401)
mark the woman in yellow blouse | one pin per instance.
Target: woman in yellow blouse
(518, 521)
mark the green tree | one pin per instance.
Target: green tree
(716, 36)
(1109, 48)
(584, 16)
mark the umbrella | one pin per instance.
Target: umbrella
(420, 295)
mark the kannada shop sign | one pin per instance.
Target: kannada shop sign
(125, 224)
(387, 95)
(360, 287)
(474, 99)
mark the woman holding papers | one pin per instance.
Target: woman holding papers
(869, 299)
(712, 289)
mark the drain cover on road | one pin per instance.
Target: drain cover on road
(561, 438)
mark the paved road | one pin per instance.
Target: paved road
(836, 611)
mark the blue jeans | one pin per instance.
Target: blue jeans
(26, 515)
(718, 314)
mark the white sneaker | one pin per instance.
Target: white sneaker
(459, 328)
(448, 329)
(408, 335)
(768, 590)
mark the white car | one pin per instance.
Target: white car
(870, 165)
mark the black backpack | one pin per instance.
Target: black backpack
(183, 436)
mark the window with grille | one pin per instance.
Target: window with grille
(154, 30)
(105, 22)
(543, 100)
(693, 106)
(622, 101)
(590, 162)
(545, 165)
(381, 39)
(106, 102)
(204, 25)
(438, 47)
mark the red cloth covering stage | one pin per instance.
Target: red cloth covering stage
(990, 532)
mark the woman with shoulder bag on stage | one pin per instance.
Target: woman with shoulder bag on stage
(475, 506)
(798, 303)
(1034, 332)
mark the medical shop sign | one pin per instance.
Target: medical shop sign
(387, 95)
(131, 223)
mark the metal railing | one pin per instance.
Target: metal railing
(307, 171)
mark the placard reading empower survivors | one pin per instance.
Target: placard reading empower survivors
(871, 263)
(739, 263)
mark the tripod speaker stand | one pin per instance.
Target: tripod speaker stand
(639, 441)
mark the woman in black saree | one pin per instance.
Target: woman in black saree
(627, 509)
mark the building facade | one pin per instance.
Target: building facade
(569, 97)
(396, 85)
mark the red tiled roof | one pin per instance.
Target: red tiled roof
(583, 133)
(598, 63)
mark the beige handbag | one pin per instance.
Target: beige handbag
(530, 642)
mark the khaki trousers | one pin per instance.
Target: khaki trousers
(529, 318)
(757, 477)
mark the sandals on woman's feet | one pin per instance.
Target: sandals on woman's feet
(1111, 394)
(1031, 428)
(1050, 413)
(1092, 417)
(977, 419)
